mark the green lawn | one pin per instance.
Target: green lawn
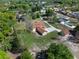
(29, 38)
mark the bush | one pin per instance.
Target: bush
(59, 51)
(3, 55)
(26, 55)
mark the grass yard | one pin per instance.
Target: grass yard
(29, 38)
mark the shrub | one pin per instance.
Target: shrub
(26, 55)
(3, 55)
(59, 51)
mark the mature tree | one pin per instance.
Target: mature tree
(6, 22)
(35, 15)
(19, 6)
(36, 8)
(55, 19)
(59, 51)
(49, 12)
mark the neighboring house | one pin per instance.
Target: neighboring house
(63, 20)
(75, 14)
(62, 11)
(66, 23)
(75, 34)
(43, 2)
(56, 9)
(43, 11)
(20, 17)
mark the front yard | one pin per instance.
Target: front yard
(28, 38)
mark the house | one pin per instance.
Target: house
(56, 9)
(43, 27)
(39, 27)
(66, 23)
(63, 19)
(20, 16)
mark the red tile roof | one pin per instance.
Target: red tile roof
(39, 25)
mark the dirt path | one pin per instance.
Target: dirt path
(13, 56)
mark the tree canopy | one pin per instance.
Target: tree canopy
(3, 55)
(59, 51)
(49, 12)
(6, 22)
